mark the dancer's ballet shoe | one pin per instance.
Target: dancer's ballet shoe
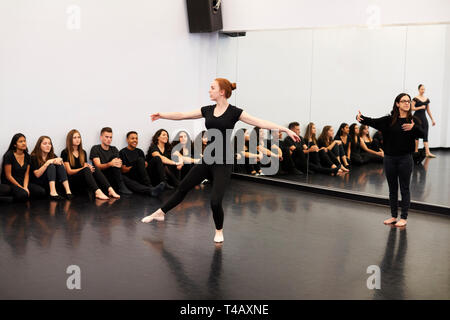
(151, 217)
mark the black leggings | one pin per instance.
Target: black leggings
(159, 172)
(20, 195)
(87, 179)
(220, 176)
(399, 169)
(52, 173)
(317, 160)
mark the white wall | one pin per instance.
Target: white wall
(128, 60)
(281, 14)
(352, 68)
(445, 120)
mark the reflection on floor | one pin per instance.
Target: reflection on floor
(430, 182)
(279, 244)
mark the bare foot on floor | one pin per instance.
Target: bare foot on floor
(390, 221)
(100, 195)
(158, 215)
(113, 194)
(401, 223)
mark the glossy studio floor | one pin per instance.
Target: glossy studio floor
(279, 244)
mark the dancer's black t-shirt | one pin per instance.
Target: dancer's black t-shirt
(77, 163)
(17, 171)
(104, 155)
(129, 157)
(223, 122)
(396, 141)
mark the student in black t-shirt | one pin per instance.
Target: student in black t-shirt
(360, 154)
(400, 130)
(134, 166)
(16, 171)
(318, 158)
(342, 135)
(106, 158)
(335, 148)
(183, 150)
(46, 168)
(298, 150)
(82, 175)
(220, 118)
(161, 167)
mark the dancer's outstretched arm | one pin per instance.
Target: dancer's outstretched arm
(195, 114)
(264, 124)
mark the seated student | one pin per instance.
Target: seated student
(16, 171)
(364, 136)
(335, 148)
(134, 168)
(378, 138)
(106, 158)
(82, 175)
(46, 168)
(183, 150)
(161, 167)
(319, 160)
(279, 152)
(359, 153)
(342, 135)
(298, 150)
(247, 150)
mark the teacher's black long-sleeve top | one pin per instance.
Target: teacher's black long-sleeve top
(397, 142)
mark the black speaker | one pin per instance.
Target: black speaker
(204, 15)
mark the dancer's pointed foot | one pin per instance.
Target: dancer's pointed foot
(430, 155)
(401, 223)
(218, 238)
(390, 221)
(158, 215)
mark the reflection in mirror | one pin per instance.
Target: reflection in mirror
(272, 70)
(317, 80)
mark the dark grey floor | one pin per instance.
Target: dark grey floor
(430, 182)
(279, 244)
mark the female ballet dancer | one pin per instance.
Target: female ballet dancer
(419, 104)
(220, 116)
(400, 130)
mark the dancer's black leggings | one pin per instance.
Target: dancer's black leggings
(399, 169)
(219, 174)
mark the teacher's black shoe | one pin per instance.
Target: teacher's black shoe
(69, 196)
(56, 198)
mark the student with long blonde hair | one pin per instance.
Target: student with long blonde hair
(82, 175)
